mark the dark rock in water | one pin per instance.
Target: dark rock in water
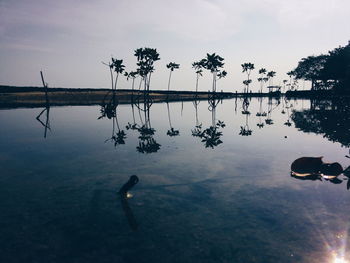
(307, 165)
(331, 169)
(336, 181)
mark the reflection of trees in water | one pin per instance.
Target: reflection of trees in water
(147, 144)
(46, 123)
(109, 111)
(330, 118)
(211, 136)
(245, 130)
(271, 108)
(245, 106)
(171, 132)
(287, 106)
(260, 114)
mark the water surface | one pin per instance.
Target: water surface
(214, 183)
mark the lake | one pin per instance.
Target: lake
(214, 185)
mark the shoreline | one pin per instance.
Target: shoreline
(32, 97)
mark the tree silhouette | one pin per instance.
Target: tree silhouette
(198, 66)
(145, 62)
(247, 67)
(131, 75)
(116, 67)
(270, 75)
(284, 84)
(172, 66)
(171, 132)
(214, 63)
(262, 78)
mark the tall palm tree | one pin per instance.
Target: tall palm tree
(214, 63)
(270, 76)
(284, 84)
(262, 73)
(290, 75)
(131, 75)
(172, 66)
(116, 67)
(198, 66)
(247, 67)
(145, 62)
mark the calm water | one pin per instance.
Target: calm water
(219, 194)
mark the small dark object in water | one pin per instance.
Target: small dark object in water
(331, 169)
(336, 181)
(124, 200)
(129, 184)
(306, 166)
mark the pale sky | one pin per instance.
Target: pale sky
(69, 39)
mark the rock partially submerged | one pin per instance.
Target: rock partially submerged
(314, 166)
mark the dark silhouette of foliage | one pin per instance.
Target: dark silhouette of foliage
(210, 136)
(270, 75)
(172, 66)
(330, 118)
(171, 132)
(326, 71)
(247, 67)
(145, 62)
(262, 78)
(198, 66)
(214, 63)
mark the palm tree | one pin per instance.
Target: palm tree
(145, 60)
(247, 67)
(117, 66)
(290, 74)
(172, 66)
(270, 76)
(198, 67)
(262, 73)
(284, 84)
(213, 63)
(131, 75)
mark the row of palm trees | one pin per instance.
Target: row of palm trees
(146, 57)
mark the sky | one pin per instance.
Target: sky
(68, 40)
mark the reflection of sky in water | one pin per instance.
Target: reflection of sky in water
(236, 202)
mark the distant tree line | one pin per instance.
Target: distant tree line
(330, 71)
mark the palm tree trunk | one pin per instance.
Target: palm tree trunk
(115, 88)
(116, 120)
(197, 83)
(132, 89)
(133, 113)
(110, 69)
(169, 80)
(213, 81)
(167, 104)
(149, 81)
